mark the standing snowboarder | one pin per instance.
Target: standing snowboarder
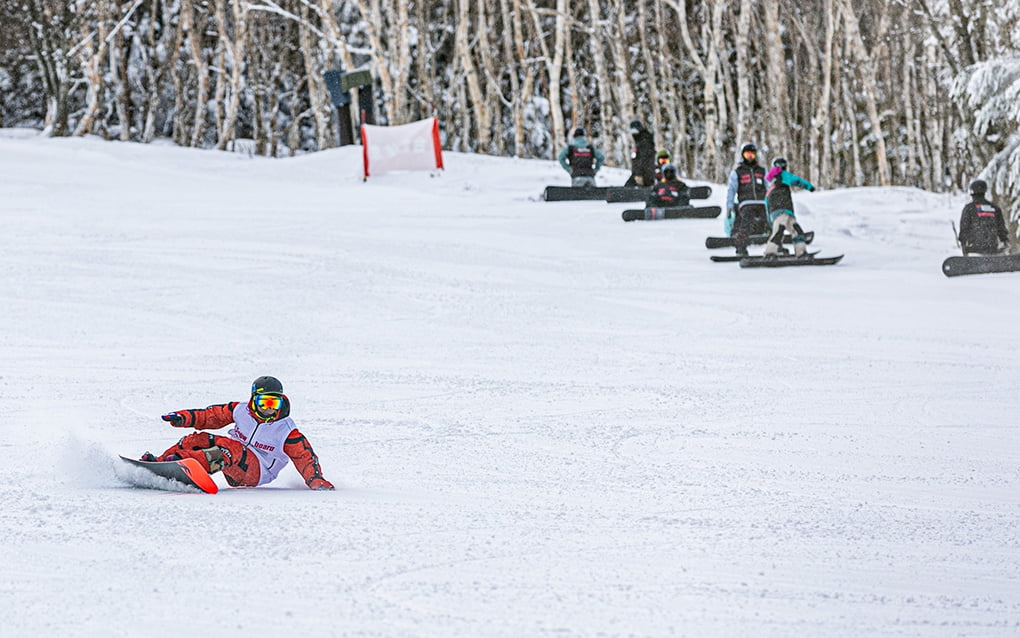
(642, 157)
(779, 206)
(982, 226)
(671, 192)
(745, 199)
(581, 160)
(261, 443)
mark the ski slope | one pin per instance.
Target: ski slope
(540, 420)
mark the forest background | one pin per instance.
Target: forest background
(922, 93)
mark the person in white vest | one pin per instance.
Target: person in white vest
(261, 443)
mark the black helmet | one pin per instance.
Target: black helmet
(669, 171)
(268, 402)
(636, 127)
(579, 131)
(749, 153)
(267, 385)
(978, 188)
(779, 162)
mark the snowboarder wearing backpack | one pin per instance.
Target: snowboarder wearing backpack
(982, 226)
(642, 157)
(581, 160)
(745, 199)
(261, 443)
(779, 206)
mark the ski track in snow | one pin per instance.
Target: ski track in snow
(540, 420)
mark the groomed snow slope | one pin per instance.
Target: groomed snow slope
(540, 420)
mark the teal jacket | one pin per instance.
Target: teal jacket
(591, 164)
(779, 198)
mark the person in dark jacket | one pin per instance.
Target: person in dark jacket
(671, 192)
(642, 157)
(745, 199)
(982, 226)
(581, 160)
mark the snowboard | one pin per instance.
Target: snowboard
(782, 262)
(980, 264)
(640, 193)
(725, 242)
(186, 472)
(617, 194)
(574, 193)
(680, 212)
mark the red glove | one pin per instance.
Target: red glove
(320, 484)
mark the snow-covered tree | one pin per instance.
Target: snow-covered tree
(853, 91)
(991, 91)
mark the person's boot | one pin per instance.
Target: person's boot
(214, 458)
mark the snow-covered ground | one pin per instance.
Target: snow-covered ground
(540, 420)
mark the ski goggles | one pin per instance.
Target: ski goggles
(750, 154)
(267, 402)
(663, 161)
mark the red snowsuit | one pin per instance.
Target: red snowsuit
(253, 453)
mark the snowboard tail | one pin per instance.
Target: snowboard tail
(574, 193)
(185, 472)
(980, 265)
(757, 240)
(699, 192)
(680, 212)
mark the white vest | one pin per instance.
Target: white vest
(264, 439)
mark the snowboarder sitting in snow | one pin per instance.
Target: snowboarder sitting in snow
(671, 192)
(982, 226)
(581, 160)
(745, 199)
(642, 158)
(261, 443)
(779, 206)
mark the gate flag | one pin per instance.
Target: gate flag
(408, 147)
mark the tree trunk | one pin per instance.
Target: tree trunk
(194, 34)
(554, 65)
(469, 38)
(777, 118)
(92, 56)
(597, 50)
(866, 75)
(746, 131)
(316, 88)
(373, 17)
(49, 21)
